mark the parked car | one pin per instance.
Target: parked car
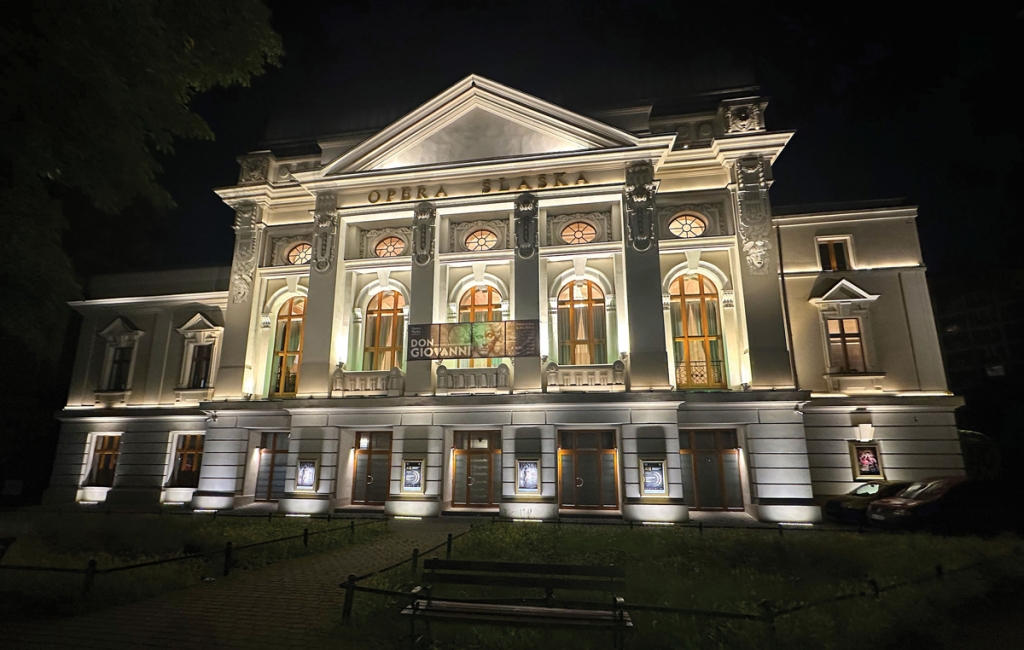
(851, 508)
(944, 503)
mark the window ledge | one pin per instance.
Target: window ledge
(192, 395)
(110, 398)
(855, 382)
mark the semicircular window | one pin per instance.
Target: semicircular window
(687, 226)
(389, 247)
(481, 240)
(579, 232)
(300, 254)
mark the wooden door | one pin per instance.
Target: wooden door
(588, 475)
(372, 468)
(709, 461)
(273, 464)
(476, 475)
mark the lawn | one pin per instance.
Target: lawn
(731, 571)
(70, 540)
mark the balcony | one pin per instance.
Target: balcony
(596, 378)
(368, 383)
(472, 381)
(700, 374)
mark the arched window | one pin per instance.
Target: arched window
(697, 333)
(581, 324)
(288, 348)
(385, 324)
(480, 305)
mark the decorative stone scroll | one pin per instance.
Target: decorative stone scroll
(325, 231)
(744, 117)
(640, 191)
(423, 233)
(755, 221)
(253, 169)
(243, 266)
(526, 209)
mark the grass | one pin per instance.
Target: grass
(731, 571)
(70, 540)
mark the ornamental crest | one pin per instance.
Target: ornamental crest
(423, 233)
(325, 231)
(744, 118)
(640, 190)
(243, 266)
(755, 225)
(526, 209)
(253, 170)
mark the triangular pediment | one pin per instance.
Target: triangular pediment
(478, 119)
(198, 323)
(120, 331)
(844, 291)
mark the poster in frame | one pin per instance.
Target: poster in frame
(412, 476)
(867, 461)
(653, 483)
(528, 477)
(306, 474)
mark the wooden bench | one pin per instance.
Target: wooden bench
(546, 577)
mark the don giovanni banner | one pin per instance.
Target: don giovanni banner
(511, 338)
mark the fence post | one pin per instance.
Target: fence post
(769, 618)
(350, 592)
(415, 559)
(448, 549)
(939, 573)
(305, 537)
(780, 531)
(90, 575)
(700, 528)
(270, 515)
(874, 586)
(227, 558)
(352, 530)
(328, 517)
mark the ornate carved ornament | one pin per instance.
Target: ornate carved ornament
(639, 194)
(457, 233)
(601, 221)
(423, 233)
(243, 265)
(711, 213)
(754, 211)
(325, 231)
(368, 239)
(282, 245)
(526, 210)
(743, 117)
(121, 333)
(253, 169)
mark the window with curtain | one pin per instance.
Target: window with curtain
(480, 305)
(696, 333)
(845, 349)
(582, 337)
(288, 348)
(385, 324)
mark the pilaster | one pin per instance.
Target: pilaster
(526, 269)
(323, 306)
(419, 379)
(231, 377)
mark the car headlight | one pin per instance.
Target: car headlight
(900, 512)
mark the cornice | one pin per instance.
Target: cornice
(215, 298)
(845, 216)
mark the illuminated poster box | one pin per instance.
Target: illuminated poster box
(511, 338)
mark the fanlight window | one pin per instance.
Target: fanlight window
(697, 333)
(300, 254)
(582, 339)
(481, 240)
(480, 305)
(687, 226)
(389, 247)
(288, 348)
(385, 324)
(579, 232)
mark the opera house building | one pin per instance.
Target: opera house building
(498, 305)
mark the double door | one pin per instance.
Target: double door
(476, 476)
(588, 476)
(372, 468)
(710, 465)
(273, 464)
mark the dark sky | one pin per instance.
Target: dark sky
(899, 104)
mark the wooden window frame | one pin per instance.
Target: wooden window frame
(288, 320)
(395, 345)
(271, 450)
(683, 366)
(103, 454)
(844, 337)
(590, 303)
(831, 262)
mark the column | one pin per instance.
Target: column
(526, 269)
(323, 305)
(234, 369)
(419, 378)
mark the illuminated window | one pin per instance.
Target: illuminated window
(845, 349)
(834, 255)
(300, 254)
(385, 324)
(481, 240)
(579, 232)
(389, 247)
(188, 460)
(686, 226)
(480, 305)
(696, 333)
(104, 460)
(581, 324)
(288, 348)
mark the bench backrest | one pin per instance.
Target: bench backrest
(608, 579)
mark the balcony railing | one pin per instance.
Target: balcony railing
(367, 383)
(597, 378)
(472, 381)
(700, 374)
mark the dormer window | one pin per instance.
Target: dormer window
(834, 253)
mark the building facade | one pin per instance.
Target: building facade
(497, 305)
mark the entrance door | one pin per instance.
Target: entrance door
(273, 462)
(372, 475)
(476, 479)
(711, 469)
(587, 473)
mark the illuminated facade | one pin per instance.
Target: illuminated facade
(661, 361)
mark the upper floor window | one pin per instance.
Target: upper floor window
(288, 347)
(696, 332)
(481, 240)
(202, 362)
(120, 368)
(385, 325)
(389, 247)
(845, 347)
(582, 338)
(188, 460)
(104, 460)
(118, 362)
(480, 305)
(834, 254)
(300, 254)
(579, 232)
(687, 226)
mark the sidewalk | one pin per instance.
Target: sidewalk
(288, 604)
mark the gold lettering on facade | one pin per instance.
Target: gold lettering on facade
(440, 192)
(581, 179)
(523, 185)
(558, 179)
(486, 187)
(503, 184)
(373, 196)
(421, 191)
(391, 195)
(406, 194)
(542, 181)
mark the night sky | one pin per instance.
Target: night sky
(899, 105)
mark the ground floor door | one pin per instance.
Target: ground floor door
(372, 468)
(588, 475)
(273, 464)
(710, 466)
(476, 477)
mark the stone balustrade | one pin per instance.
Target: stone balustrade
(367, 383)
(472, 381)
(597, 378)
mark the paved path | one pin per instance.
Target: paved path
(289, 604)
